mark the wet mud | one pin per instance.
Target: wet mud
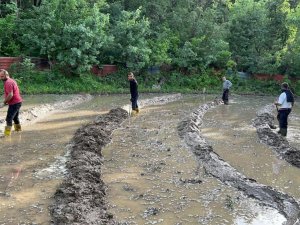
(37, 112)
(214, 165)
(180, 196)
(80, 199)
(264, 122)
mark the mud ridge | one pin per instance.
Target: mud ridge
(189, 131)
(161, 100)
(34, 113)
(81, 197)
(263, 122)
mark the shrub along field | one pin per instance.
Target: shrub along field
(48, 82)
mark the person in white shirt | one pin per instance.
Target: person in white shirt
(284, 105)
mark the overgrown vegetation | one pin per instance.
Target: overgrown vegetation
(54, 82)
(191, 37)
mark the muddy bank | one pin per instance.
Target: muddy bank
(189, 130)
(34, 113)
(80, 199)
(263, 123)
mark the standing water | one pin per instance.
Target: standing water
(29, 172)
(153, 178)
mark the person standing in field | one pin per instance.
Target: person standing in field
(134, 93)
(226, 86)
(285, 103)
(13, 99)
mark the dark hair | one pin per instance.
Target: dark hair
(285, 85)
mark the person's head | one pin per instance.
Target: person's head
(130, 76)
(3, 75)
(223, 78)
(284, 86)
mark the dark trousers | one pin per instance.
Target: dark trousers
(283, 117)
(225, 96)
(134, 104)
(13, 114)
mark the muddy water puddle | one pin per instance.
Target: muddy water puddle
(153, 178)
(228, 129)
(294, 125)
(30, 165)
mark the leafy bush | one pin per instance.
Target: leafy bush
(70, 33)
(9, 45)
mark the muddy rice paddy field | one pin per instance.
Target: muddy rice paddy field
(185, 159)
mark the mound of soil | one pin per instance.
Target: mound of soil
(263, 122)
(81, 197)
(189, 131)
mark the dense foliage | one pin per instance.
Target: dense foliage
(209, 82)
(190, 36)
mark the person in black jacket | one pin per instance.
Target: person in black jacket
(134, 93)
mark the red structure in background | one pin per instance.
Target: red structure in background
(104, 70)
(6, 62)
(276, 77)
(43, 64)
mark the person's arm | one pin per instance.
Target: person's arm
(280, 100)
(8, 97)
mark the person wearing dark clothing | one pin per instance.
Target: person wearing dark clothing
(285, 103)
(134, 93)
(226, 86)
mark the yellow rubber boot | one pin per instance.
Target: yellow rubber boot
(135, 112)
(17, 127)
(7, 130)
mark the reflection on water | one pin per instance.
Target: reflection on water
(229, 130)
(265, 217)
(31, 162)
(152, 177)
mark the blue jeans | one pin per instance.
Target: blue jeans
(13, 114)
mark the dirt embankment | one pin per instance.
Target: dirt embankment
(189, 131)
(80, 199)
(263, 123)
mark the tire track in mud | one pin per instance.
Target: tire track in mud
(189, 131)
(81, 197)
(263, 123)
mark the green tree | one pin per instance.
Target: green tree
(129, 45)
(201, 38)
(292, 56)
(70, 33)
(258, 35)
(9, 45)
